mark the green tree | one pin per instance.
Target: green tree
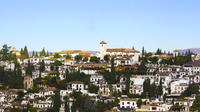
(85, 59)
(66, 99)
(89, 106)
(146, 87)
(160, 88)
(142, 69)
(33, 54)
(13, 79)
(52, 67)
(107, 58)
(29, 68)
(47, 54)
(43, 52)
(94, 59)
(68, 56)
(192, 89)
(57, 55)
(36, 54)
(5, 53)
(176, 107)
(158, 52)
(102, 107)
(127, 85)
(152, 90)
(67, 74)
(56, 102)
(78, 58)
(42, 66)
(139, 103)
(196, 105)
(154, 59)
(22, 53)
(20, 95)
(93, 89)
(143, 51)
(26, 54)
(57, 63)
(112, 65)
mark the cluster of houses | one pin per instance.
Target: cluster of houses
(175, 80)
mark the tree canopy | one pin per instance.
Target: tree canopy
(78, 58)
(94, 59)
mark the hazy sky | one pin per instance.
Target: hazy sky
(82, 24)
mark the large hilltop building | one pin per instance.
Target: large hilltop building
(122, 55)
(15, 51)
(75, 52)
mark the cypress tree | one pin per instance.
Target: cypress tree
(160, 89)
(42, 66)
(112, 65)
(29, 68)
(47, 54)
(22, 53)
(26, 55)
(43, 53)
(143, 51)
(36, 54)
(33, 54)
(56, 102)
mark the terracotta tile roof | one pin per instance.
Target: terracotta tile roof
(154, 104)
(165, 56)
(163, 74)
(195, 64)
(102, 42)
(122, 50)
(75, 82)
(176, 50)
(81, 52)
(128, 99)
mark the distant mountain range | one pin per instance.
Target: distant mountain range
(30, 53)
(94, 52)
(192, 50)
(182, 51)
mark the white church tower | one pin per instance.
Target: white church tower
(102, 49)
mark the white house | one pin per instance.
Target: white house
(165, 69)
(9, 66)
(131, 55)
(96, 78)
(128, 103)
(192, 67)
(65, 92)
(76, 86)
(165, 77)
(136, 85)
(45, 93)
(156, 107)
(179, 86)
(119, 87)
(136, 90)
(176, 53)
(194, 79)
(43, 104)
(104, 90)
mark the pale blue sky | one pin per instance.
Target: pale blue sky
(82, 24)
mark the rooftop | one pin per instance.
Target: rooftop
(102, 42)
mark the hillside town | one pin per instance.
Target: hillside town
(110, 80)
